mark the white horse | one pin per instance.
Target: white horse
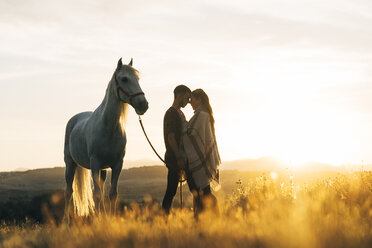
(96, 141)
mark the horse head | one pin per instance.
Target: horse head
(128, 89)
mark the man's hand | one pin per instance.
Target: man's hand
(180, 163)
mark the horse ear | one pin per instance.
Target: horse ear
(120, 64)
(131, 62)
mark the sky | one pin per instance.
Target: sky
(288, 79)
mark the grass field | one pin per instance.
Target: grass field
(264, 211)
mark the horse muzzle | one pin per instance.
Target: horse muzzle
(140, 105)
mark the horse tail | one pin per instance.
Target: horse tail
(82, 192)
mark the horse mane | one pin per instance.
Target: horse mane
(124, 106)
(123, 115)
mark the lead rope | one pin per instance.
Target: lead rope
(182, 178)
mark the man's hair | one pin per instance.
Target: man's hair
(181, 89)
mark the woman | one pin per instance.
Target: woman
(201, 152)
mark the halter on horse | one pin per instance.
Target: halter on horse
(96, 141)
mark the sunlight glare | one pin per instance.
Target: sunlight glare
(274, 175)
(290, 123)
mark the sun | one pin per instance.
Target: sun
(281, 110)
(294, 131)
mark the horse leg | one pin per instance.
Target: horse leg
(69, 176)
(114, 187)
(102, 179)
(97, 194)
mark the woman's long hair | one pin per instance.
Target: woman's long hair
(200, 94)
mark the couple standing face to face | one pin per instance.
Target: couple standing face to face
(186, 98)
(174, 121)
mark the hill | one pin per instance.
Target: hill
(134, 183)
(38, 194)
(27, 184)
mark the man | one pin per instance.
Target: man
(173, 122)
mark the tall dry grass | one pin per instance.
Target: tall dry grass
(264, 212)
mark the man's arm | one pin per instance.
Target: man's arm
(176, 151)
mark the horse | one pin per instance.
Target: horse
(95, 141)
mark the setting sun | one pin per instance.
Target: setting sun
(286, 113)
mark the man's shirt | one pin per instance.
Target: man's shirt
(173, 121)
